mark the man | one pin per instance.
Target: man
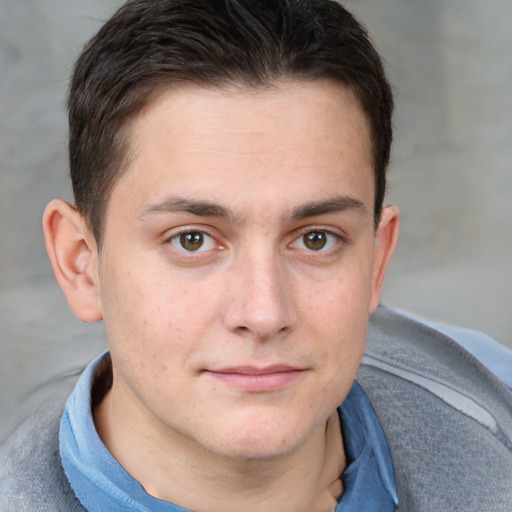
(228, 161)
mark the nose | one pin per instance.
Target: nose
(260, 300)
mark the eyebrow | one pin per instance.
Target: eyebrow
(332, 205)
(203, 208)
(195, 207)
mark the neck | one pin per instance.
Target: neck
(183, 473)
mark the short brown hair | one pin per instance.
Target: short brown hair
(151, 45)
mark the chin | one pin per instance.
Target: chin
(256, 449)
(257, 440)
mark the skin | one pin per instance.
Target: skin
(240, 239)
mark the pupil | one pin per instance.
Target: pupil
(191, 241)
(315, 240)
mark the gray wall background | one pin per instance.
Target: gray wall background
(451, 64)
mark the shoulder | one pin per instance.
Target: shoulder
(494, 355)
(31, 474)
(487, 350)
(447, 417)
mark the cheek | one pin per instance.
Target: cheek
(337, 316)
(340, 303)
(154, 312)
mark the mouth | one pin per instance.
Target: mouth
(257, 380)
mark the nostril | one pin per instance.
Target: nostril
(260, 332)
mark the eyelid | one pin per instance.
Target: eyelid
(175, 233)
(340, 238)
(338, 233)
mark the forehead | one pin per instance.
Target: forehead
(202, 140)
(295, 101)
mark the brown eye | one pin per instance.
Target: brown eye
(192, 241)
(315, 240)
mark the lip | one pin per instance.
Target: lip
(257, 380)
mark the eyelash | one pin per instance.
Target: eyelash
(338, 241)
(190, 231)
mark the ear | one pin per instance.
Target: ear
(74, 257)
(384, 247)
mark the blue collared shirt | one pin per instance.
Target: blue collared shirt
(100, 482)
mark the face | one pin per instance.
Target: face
(239, 265)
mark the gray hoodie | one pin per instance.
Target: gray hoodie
(447, 419)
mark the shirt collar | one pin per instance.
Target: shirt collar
(101, 483)
(369, 478)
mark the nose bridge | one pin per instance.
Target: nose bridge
(261, 301)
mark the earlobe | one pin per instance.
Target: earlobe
(385, 242)
(74, 257)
